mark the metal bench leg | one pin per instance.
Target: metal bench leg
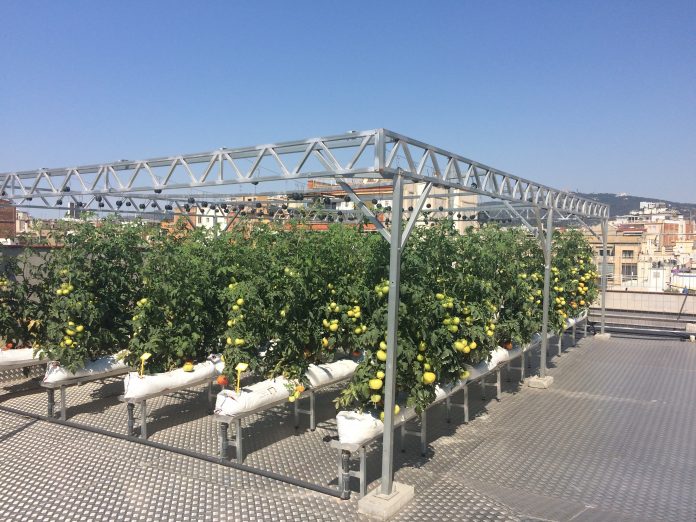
(130, 408)
(238, 440)
(523, 358)
(143, 420)
(448, 408)
(296, 410)
(424, 432)
(363, 472)
(466, 404)
(312, 413)
(402, 437)
(63, 407)
(497, 385)
(211, 397)
(344, 473)
(224, 441)
(51, 401)
(574, 329)
(560, 343)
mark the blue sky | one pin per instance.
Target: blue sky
(598, 96)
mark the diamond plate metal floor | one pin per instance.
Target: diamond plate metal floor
(613, 439)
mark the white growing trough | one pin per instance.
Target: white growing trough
(60, 378)
(19, 358)
(139, 389)
(231, 407)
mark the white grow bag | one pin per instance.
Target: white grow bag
(137, 387)
(265, 393)
(325, 374)
(358, 428)
(56, 373)
(18, 355)
(251, 398)
(570, 322)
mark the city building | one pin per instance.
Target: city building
(651, 249)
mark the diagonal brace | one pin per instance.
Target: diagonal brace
(366, 211)
(414, 215)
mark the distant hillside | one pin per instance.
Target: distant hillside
(623, 203)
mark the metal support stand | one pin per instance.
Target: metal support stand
(143, 420)
(63, 404)
(574, 331)
(523, 359)
(51, 401)
(424, 433)
(392, 328)
(224, 440)
(560, 343)
(311, 411)
(498, 391)
(238, 440)
(466, 404)
(344, 472)
(547, 236)
(604, 274)
(130, 408)
(211, 398)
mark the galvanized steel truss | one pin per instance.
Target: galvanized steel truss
(371, 154)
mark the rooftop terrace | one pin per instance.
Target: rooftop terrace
(612, 439)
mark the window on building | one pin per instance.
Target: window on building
(609, 271)
(627, 254)
(610, 251)
(629, 272)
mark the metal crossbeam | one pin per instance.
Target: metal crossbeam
(374, 154)
(464, 174)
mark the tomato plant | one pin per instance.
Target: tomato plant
(298, 296)
(88, 286)
(573, 278)
(177, 315)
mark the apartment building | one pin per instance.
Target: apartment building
(647, 249)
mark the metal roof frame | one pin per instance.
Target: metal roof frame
(374, 154)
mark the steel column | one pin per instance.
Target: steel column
(547, 284)
(604, 275)
(392, 328)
